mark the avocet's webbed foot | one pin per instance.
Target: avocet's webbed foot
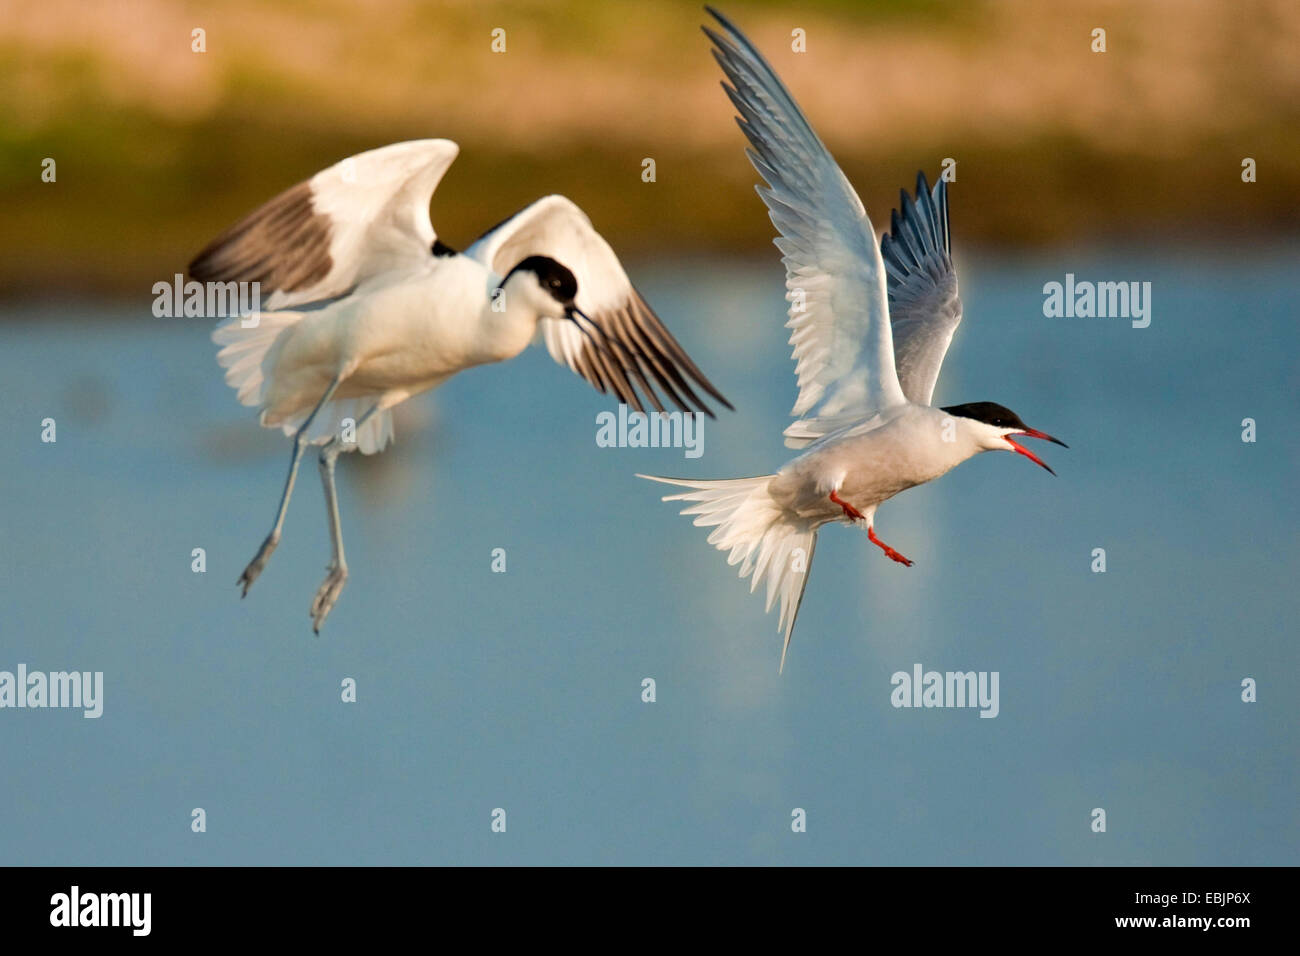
(328, 594)
(258, 563)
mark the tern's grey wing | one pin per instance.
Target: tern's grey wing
(924, 309)
(835, 278)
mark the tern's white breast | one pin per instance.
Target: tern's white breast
(871, 464)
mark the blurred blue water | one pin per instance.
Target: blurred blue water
(522, 690)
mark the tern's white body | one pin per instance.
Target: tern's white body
(870, 325)
(869, 462)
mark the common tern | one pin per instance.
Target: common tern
(870, 324)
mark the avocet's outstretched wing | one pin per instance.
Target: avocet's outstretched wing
(924, 309)
(361, 217)
(638, 353)
(835, 278)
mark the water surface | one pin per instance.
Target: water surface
(522, 690)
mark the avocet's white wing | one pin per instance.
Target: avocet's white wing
(835, 278)
(363, 216)
(924, 309)
(639, 353)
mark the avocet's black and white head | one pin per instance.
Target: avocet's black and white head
(992, 427)
(547, 288)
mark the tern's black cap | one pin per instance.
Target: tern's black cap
(990, 413)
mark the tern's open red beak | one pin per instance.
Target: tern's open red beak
(1033, 433)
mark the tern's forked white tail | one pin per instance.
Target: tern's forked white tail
(766, 540)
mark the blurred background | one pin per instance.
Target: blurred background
(523, 690)
(158, 147)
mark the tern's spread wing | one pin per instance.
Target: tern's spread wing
(835, 279)
(924, 309)
(632, 353)
(361, 217)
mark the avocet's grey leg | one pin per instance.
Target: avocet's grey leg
(268, 546)
(338, 568)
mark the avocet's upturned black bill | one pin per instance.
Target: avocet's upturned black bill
(366, 307)
(870, 327)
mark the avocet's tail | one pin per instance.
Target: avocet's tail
(248, 351)
(248, 355)
(767, 541)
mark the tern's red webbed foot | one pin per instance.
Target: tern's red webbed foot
(889, 552)
(849, 510)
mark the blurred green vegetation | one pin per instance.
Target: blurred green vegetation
(158, 148)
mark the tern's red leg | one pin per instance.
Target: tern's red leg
(889, 552)
(849, 510)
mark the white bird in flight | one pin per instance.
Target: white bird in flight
(367, 307)
(870, 326)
